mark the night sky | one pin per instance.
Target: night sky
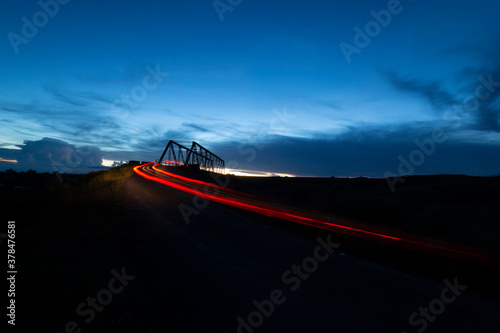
(314, 88)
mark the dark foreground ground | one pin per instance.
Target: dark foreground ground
(226, 264)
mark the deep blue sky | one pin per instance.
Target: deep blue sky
(281, 86)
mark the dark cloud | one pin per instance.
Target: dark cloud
(86, 118)
(488, 115)
(370, 153)
(479, 100)
(364, 150)
(196, 127)
(65, 97)
(431, 90)
(8, 154)
(48, 155)
(482, 55)
(79, 98)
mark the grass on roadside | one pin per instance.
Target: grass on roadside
(93, 194)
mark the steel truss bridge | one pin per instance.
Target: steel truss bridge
(176, 154)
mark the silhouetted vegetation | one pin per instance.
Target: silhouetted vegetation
(78, 195)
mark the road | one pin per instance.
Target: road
(210, 191)
(227, 271)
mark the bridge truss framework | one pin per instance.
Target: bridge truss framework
(176, 154)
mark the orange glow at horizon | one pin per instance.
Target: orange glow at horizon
(8, 161)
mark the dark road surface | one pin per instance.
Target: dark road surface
(225, 265)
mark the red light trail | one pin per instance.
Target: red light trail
(173, 162)
(261, 206)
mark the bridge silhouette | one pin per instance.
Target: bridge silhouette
(197, 156)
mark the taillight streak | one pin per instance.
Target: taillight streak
(370, 232)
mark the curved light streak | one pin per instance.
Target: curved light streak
(260, 206)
